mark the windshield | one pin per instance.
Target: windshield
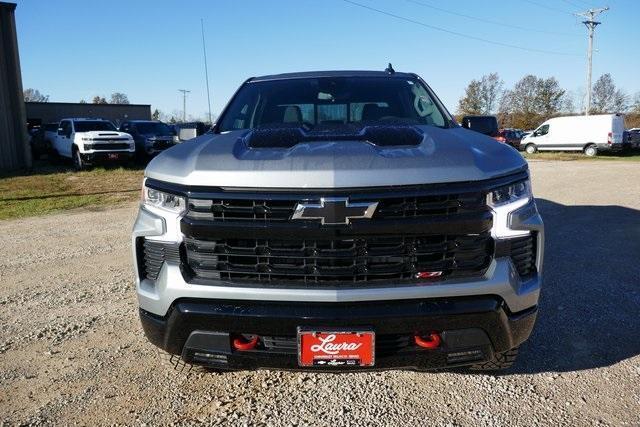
(311, 102)
(89, 125)
(154, 128)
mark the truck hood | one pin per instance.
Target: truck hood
(104, 134)
(444, 155)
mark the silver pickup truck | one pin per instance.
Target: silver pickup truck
(338, 221)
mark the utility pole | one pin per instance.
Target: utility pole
(206, 71)
(184, 103)
(591, 25)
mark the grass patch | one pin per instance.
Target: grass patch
(568, 155)
(49, 189)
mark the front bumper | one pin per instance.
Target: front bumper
(94, 157)
(472, 329)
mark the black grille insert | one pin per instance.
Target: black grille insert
(353, 260)
(523, 254)
(107, 146)
(155, 254)
(231, 209)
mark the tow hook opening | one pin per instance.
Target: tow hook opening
(244, 342)
(430, 341)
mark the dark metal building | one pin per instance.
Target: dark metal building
(48, 112)
(14, 147)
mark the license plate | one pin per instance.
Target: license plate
(336, 348)
(113, 156)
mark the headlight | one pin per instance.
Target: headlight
(160, 199)
(503, 202)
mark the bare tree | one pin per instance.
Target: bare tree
(606, 98)
(119, 98)
(156, 114)
(34, 95)
(635, 107)
(98, 100)
(569, 103)
(490, 92)
(620, 103)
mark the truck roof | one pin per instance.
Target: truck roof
(316, 74)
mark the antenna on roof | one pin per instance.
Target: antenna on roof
(390, 69)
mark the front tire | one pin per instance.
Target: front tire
(591, 150)
(500, 361)
(531, 149)
(78, 162)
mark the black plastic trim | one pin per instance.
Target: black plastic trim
(488, 313)
(458, 224)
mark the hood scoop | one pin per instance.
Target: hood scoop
(379, 135)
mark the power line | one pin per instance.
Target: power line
(572, 4)
(544, 6)
(489, 21)
(455, 33)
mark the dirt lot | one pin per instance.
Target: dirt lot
(72, 351)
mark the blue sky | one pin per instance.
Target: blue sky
(149, 49)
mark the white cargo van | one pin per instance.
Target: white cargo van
(589, 134)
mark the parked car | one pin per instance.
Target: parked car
(525, 133)
(151, 136)
(338, 221)
(589, 134)
(89, 141)
(42, 139)
(632, 138)
(487, 125)
(509, 137)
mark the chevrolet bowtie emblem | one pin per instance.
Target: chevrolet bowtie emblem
(334, 210)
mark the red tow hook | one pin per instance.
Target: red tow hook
(430, 341)
(242, 344)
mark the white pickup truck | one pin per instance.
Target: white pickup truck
(90, 141)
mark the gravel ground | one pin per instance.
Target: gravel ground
(72, 350)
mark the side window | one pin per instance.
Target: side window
(65, 128)
(240, 120)
(542, 130)
(242, 111)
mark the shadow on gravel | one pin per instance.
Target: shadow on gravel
(589, 313)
